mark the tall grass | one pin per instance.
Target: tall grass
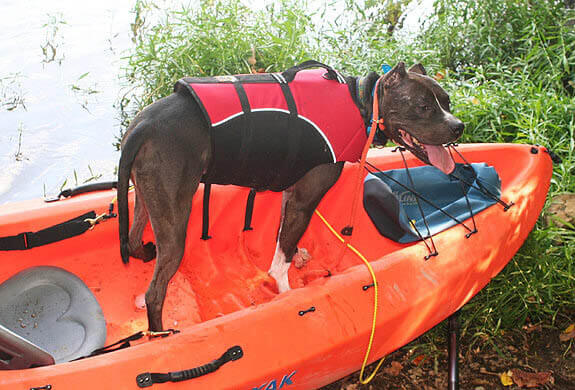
(509, 66)
(214, 38)
(510, 70)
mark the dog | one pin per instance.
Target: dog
(168, 150)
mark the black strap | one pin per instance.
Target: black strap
(246, 127)
(148, 379)
(120, 344)
(295, 133)
(249, 210)
(59, 232)
(125, 342)
(289, 74)
(206, 212)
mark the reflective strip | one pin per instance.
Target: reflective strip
(270, 109)
(228, 118)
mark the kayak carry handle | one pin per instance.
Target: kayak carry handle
(148, 379)
(69, 192)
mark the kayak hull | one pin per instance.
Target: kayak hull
(222, 296)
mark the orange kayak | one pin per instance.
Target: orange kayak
(222, 300)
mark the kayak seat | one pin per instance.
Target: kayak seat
(47, 316)
(396, 211)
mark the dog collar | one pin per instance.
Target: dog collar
(375, 112)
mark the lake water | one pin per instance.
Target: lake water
(60, 63)
(57, 117)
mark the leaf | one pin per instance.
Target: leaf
(394, 370)
(506, 379)
(531, 328)
(418, 359)
(531, 379)
(568, 333)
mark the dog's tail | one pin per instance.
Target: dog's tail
(130, 149)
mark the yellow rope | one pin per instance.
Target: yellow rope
(375, 304)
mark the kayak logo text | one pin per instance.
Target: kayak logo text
(273, 384)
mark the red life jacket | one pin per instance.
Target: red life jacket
(267, 130)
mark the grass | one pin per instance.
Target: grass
(217, 38)
(11, 94)
(509, 66)
(18, 155)
(53, 42)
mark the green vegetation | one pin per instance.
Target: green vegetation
(53, 43)
(509, 66)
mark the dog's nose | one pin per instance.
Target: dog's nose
(457, 128)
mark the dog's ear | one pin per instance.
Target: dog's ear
(394, 76)
(418, 68)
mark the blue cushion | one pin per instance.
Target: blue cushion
(394, 209)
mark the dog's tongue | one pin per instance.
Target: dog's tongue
(440, 158)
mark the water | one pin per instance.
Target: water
(60, 63)
(63, 123)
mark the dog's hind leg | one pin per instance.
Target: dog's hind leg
(138, 250)
(169, 199)
(299, 203)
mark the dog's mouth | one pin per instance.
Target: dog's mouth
(436, 155)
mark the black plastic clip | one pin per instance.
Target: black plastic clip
(304, 312)
(368, 286)
(554, 156)
(508, 205)
(47, 387)
(431, 254)
(471, 233)
(347, 231)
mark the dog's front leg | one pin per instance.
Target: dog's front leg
(299, 202)
(280, 265)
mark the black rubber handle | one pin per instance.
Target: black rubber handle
(101, 186)
(105, 185)
(148, 379)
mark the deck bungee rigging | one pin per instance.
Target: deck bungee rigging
(466, 174)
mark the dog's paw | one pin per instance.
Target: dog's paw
(145, 252)
(140, 302)
(301, 258)
(149, 252)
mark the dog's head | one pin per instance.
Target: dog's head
(416, 115)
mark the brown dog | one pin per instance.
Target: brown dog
(168, 150)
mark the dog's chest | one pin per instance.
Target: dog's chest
(267, 133)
